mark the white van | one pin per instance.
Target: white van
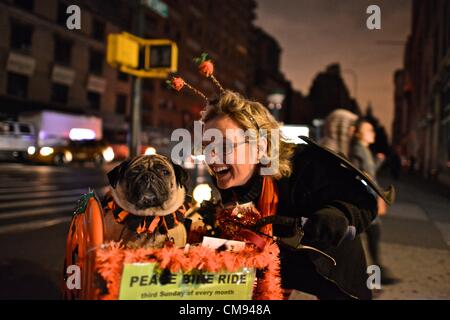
(16, 139)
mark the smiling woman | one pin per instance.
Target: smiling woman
(233, 116)
(308, 182)
(268, 187)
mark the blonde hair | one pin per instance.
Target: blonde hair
(337, 131)
(252, 115)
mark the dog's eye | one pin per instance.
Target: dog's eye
(165, 172)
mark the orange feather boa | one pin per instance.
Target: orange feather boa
(111, 258)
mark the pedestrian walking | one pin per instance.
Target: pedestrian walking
(361, 156)
(338, 131)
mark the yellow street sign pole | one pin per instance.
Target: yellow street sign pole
(136, 103)
(159, 61)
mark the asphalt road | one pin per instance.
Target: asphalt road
(36, 206)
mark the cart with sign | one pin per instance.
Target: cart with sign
(111, 271)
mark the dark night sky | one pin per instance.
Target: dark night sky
(315, 33)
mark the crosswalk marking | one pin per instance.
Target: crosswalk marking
(32, 225)
(39, 202)
(36, 199)
(38, 184)
(42, 194)
(66, 209)
(27, 189)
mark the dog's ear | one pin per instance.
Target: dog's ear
(117, 173)
(181, 175)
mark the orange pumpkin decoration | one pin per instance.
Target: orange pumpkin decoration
(206, 68)
(177, 83)
(205, 65)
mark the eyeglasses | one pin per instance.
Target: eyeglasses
(224, 147)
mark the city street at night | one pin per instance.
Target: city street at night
(253, 150)
(37, 204)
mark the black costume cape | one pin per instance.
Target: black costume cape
(387, 195)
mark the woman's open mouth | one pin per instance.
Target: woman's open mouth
(221, 170)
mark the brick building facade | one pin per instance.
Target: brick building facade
(44, 65)
(421, 126)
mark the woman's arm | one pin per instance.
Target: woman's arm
(357, 157)
(330, 195)
(379, 160)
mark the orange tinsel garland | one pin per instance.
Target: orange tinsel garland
(111, 258)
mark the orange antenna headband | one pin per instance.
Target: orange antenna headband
(206, 68)
(178, 83)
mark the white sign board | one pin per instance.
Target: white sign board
(63, 75)
(292, 133)
(96, 84)
(20, 64)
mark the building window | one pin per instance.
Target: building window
(17, 85)
(21, 35)
(151, 23)
(94, 100)
(24, 128)
(27, 5)
(121, 104)
(61, 19)
(62, 51)
(60, 94)
(122, 76)
(148, 84)
(96, 62)
(98, 30)
(62, 14)
(447, 21)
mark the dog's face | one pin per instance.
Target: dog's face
(148, 185)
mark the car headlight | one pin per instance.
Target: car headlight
(68, 156)
(31, 150)
(46, 151)
(150, 151)
(108, 154)
(201, 193)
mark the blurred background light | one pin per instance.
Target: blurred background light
(108, 154)
(31, 150)
(150, 151)
(202, 192)
(46, 151)
(77, 134)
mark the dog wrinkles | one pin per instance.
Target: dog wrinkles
(150, 191)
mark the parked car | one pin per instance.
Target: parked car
(95, 151)
(16, 139)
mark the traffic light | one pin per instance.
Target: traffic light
(122, 51)
(145, 58)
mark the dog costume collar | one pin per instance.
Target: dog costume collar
(146, 224)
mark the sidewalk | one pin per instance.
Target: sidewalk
(416, 240)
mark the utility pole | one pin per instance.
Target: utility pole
(136, 103)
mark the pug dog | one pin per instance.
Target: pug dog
(143, 189)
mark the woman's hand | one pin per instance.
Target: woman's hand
(326, 228)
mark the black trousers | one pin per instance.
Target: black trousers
(373, 241)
